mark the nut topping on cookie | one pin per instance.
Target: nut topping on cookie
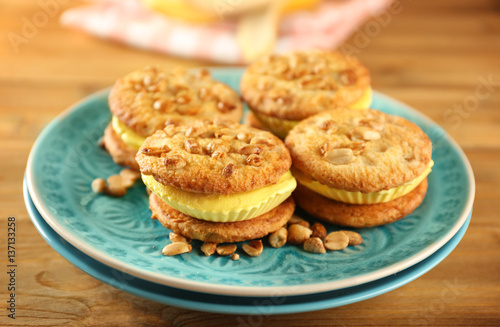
(372, 123)
(219, 154)
(369, 151)
(328, 125)
(195, 130)
(260, 140)
(210, 152)
(357, 148)
(155, 151)
(365, 133)
(144, 100)
(202, 93)
(340, 156)
(225, 132)
(250, 149)
(254, 160)
(228, 170)
(224, 107)
(193, 147)
(174, 162)
(183, 99)
(218, 145)
(159, 104)
(296, 85)
(147, 80)
(329, 146)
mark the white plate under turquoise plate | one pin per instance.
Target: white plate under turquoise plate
(235, 304)
(119, 233)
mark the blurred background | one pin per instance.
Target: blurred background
(440, 57)
(429, 54)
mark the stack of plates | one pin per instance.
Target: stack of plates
(115, 241)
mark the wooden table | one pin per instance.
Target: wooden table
(430, 54)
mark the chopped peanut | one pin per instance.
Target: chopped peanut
(297, 220)
(278, 238)
(254, 249)
(178, 238)
(298, 234)
(98, 185)
(227, 249)
(314, 245)
(336, 241)
(209, 248)
(115, 186)
(318, 230)
(354, 238)
(176, 248)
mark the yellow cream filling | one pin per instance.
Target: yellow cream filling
(364, 102)
(224, 208)
(281, 127)
(358, 197)
(126, 134)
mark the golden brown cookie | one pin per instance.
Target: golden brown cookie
(296, 85)
(214, 156)
(221, 232)
(366, 151)
(122, 153)
(147, 99)
(359, 215)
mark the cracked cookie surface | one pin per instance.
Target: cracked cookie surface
(366, 151)
(296, 85)
(214, 156)
(145, 100)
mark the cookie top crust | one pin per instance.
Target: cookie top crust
(297, 85)
(146, 99)
(214, 156)
(366, 151)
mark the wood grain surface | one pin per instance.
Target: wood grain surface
(432, 55)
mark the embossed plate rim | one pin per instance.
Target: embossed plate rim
(245, 290)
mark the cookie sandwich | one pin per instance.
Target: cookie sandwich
(282, 90)
(148, 99)
(359, 168)
(218, 181)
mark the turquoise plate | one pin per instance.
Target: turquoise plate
(234, 304)
(119, 233)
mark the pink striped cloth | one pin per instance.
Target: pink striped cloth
(129, 22)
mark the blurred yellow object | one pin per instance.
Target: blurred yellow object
(195, 11)
(296, 5)
(257, 19)
(181, 9)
